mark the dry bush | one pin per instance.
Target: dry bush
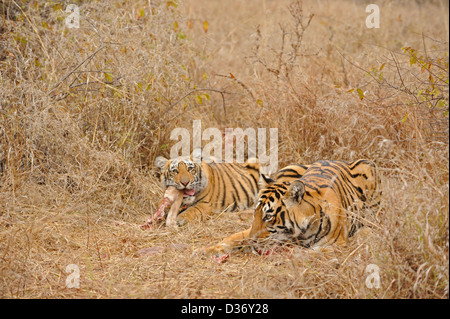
(85, 111)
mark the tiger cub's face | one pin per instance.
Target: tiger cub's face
(183, 174)
(284, 213)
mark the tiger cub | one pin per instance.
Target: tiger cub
(210, 187)
(312, 206)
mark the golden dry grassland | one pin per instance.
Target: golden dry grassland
(84, 112)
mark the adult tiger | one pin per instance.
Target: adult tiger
(210, 187)
(313, 206)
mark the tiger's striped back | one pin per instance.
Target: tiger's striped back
(287, 174)
(355, 182)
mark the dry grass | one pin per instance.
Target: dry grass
(79, 131)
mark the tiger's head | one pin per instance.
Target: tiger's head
(286, 212)
(184, 174)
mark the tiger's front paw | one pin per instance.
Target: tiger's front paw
(219, 252)
(209, 251)
(216, 250)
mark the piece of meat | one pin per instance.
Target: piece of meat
(173, 197)
(220, 259)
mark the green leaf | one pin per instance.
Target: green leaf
(420, 94)
(108, 76)
(405, 118)
(360, 93)
(21, 40)
(57, 7)
(171, 4)
(117, 94)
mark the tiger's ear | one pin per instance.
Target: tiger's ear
(161, 162)
(267, 180)
(296, 191)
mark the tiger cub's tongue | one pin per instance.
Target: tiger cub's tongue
(189, 192)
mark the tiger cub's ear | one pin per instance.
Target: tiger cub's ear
(161, 162)
(296, 191)
(267, 180)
